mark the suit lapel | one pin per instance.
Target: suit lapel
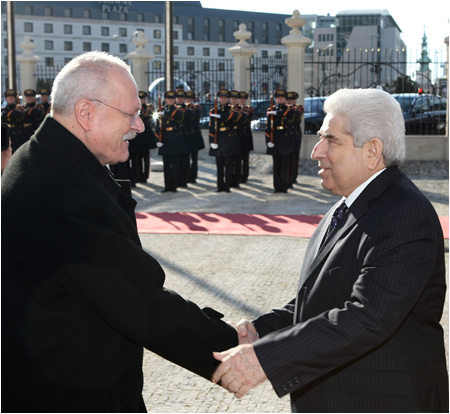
(315, 255)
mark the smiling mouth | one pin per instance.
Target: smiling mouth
(129, 136)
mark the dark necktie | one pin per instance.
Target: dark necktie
(337, 215)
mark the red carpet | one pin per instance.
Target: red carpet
(235, 224)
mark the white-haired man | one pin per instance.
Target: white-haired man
(362, 333)
(80, 297)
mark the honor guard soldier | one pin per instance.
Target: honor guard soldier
(248, 136)
(197, 143)
(224, 143)
(291, 100)
(280, 140)
(170, 141)
(45, 104)
(240, 132)
(33, 116)
(12, 117)
(188, 132)
(140, 146)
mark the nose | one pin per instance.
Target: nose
(318, 150)
(138, 125)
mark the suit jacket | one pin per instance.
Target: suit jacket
(80, 297)
(363, 332)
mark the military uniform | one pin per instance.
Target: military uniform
(297, 133)
(45, 106)
(171, 142)
(224, 142)
(12, 117)
(196, 144)
(140, 146)
(188, 133)
(280, 142)
(247, 142)
(33, 117)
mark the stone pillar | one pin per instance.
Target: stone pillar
(27, 61)
(242, 53)
(296, 44)
(140, 59)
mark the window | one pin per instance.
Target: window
(221, 66)
(175, 35)
(175, 50)
(206, 51)
(87, 46)
(236, 24)
(176, 65)
(28, 27)
(86, 14)
(105, 16)
(190, 65)
(140, 17)
(123, 16)
(67, 29)
(105, 47)
(49, 61)
(87, 30)
(67, 60)
(190, 51)
(157, 49)
(48, 28)
(68, 46)
(105, 31)
(221, 52)
(48, 45)
(157, 34)
(28, 10)
(157, 65)
(48, 11)
(157, 18)
(206, 67)
(277, 54)
(67, 12)
(123, 32)
(265, 33)
(264, 53)
(123, 48)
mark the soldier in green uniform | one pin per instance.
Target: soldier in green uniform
(170, 141)
(12, 117)
(197, 143)
(291, 100)
(33, 116)
(224, 142)
(247, 144)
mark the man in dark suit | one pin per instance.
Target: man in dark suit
(80, 297)
(362, 333)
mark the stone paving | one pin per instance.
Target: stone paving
(241, 276)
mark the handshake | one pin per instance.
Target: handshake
(240, 370)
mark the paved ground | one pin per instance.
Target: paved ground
(242, 276)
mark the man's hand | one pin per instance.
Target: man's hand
(246, 331)
(240, 370)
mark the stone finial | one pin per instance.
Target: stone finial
(140, 41)
(27, 45)
(242, 35)
(295, 22)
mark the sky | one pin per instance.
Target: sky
(411, 16)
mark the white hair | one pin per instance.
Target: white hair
(371, 113)
(87, 76)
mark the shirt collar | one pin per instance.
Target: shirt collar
(355, 193)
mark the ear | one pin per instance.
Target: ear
(374, 152)
(84, 112)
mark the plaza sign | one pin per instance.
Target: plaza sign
(115, 6)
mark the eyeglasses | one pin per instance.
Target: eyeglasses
(133, 117)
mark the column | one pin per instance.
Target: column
(242, 53)
(27, 61)
(296, 44)
(140, 59)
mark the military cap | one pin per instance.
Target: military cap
(169, 94)
(224, 92)
(180, 93)
(280, 92)
(190, 94)
(29, 92)
(10, 92)
(143, 94)
(234, 94)
(44, 91)
(243, 95)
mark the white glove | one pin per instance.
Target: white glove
(159, 144)
(215, 115)
(271, 112)
(270, 144)
(214, 146)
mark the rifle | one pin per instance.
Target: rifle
(214, 145)
(271, 143)
(160, 136)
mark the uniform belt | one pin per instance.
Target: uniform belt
(223, 129)
(171, 129)
(27, 125)
(280, 127)
(9, 125)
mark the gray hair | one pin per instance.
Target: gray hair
(87, 76)
(371, 113)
